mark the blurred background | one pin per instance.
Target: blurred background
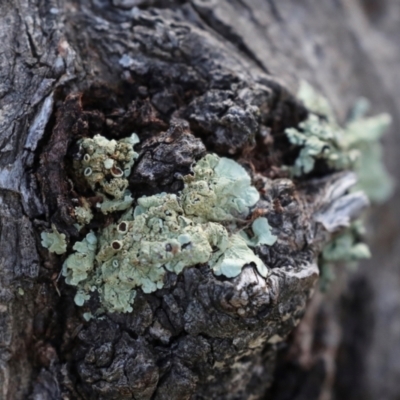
(350, 338)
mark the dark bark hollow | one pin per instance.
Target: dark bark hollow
(187, 83)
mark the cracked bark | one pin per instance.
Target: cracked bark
(190, 77)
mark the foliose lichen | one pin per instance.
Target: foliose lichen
(219, 190)
(320, 139)
(355, 147)
(261, 233)
(106, 165)
(83, 214)
(78, 265)
(364, 133)
(346, 248)
(54, 241)
(168, 232)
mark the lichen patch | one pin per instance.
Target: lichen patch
(168, 232)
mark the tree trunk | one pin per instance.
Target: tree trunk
(190, 77)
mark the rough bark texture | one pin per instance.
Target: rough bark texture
(190, 77)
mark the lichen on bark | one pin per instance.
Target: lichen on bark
(282, 234)
(164, 232)
(186, 91)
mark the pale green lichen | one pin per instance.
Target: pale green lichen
(168, 232)
(219, 190)
(364, 133)
(355, 147)
(106, 165)
(110, 206)
(262, 233)
(234, 256)
(78, 265)
(345, 248)
(83, 214)
(54, 241)
(87, 316)
(314, 101)
(320, 139)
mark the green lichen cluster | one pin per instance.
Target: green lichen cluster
(320, 139)
(106, 166)
(219, 190)
(168, 232)
(364, 134)
(54, 241)
(83, 214)
(346, 248)
(355, 147)
(261, 233)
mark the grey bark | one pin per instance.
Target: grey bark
(191, 77)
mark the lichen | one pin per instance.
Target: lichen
(346, 248)
(262, 233)
(320, 139)
(355, 147)
(315, 102)
(78, 265)
(110, 206)
(363, 133)
(106, 165)
(54, 241)
(168, 232)
(87, 316)
(235, 256)
(83, 214)
(219, 190)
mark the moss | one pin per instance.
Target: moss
(168, 232)
(54, 241)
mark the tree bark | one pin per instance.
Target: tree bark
(190, 77)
